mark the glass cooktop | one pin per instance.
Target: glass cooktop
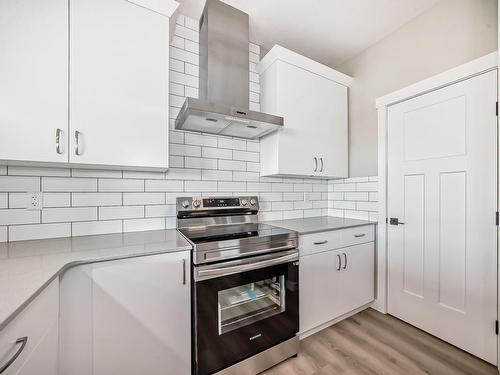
(231, 232)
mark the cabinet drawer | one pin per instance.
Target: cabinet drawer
(33, 322)
(335, 239)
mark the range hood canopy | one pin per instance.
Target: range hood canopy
(223, 106)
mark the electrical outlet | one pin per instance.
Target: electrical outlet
(35, 201)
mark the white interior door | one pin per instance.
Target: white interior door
(442, 173)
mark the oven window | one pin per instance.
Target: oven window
(249, 303)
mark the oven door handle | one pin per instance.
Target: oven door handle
(211, 273)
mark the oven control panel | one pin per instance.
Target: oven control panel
(218, 203)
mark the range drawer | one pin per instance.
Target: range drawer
(33, 322)
(335, 239)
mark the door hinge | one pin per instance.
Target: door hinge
(386, 220)
(496, 327)
(497, 219)
(496, 108)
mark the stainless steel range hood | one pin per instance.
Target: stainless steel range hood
(223, 104)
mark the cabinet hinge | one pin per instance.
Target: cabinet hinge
(497, 219)
(496, 327)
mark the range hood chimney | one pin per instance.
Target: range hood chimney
(223, 104)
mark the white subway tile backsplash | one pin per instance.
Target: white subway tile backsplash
(245, 176)
(166, 185)
(183, 174)
(217, 153)
(19, 216)
(120, 185)
(121, 212)
(143, 198)
(294, 214)
(201, 186)
(39, 231)
(176, 89)
(4, 200)
(185, 150)
(161, 210)
(367, 186)
(176, 65)
(3, 234)
(246, 156)
(96, 199)
(59, 215)
(232, 165)
(191, 23)
(259, 186)
(216, 175)
(356, 196)
(55, 184)
(231, 186)
(232, 143)
(96, 227)
(200, 139)
(192, 46)
(191, 92)
(96, 173)
(186, 33)
(182, 55)
(38, 171)
(15, 183)
(136, 225)
(183, 79)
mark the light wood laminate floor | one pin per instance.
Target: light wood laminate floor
(373, 343)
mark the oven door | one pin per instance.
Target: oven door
(243, 307)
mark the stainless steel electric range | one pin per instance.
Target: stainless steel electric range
(245, 290)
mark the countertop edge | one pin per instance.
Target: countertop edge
(67, 266)
(332, 229)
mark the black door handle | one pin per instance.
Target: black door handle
(395, 221)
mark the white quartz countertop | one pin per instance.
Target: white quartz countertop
(27, 267)
(319, 224)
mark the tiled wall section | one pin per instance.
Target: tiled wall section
(81, 202)
(355, 198)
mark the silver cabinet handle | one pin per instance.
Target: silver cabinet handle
(77, 143)
(22, 341)
(59, 134)
(184, 272)
(359, 235)
(315, 164)
(320, 242)
(321, 168)
(339, 262)
(345, 261)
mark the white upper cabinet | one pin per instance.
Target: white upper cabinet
(118, 84)
(85, 82)
(33, 80)
(312, 98)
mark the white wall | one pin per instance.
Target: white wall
(451, 33)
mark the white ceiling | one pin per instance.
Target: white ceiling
(329, 31)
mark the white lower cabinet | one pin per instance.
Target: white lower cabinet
(128, 316)
(334, 282)
(37, 326)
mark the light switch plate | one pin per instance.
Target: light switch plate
(35, 200)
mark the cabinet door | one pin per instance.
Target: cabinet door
(127, 317)
(333, 150)
(38, 322)
(118, 84)
(319, 288)
(356, 277)
(315, 111)
(33, 80)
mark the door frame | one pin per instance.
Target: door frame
(468, 70)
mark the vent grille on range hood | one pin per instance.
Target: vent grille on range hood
(224, 79)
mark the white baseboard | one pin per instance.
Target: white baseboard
(303, 335)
